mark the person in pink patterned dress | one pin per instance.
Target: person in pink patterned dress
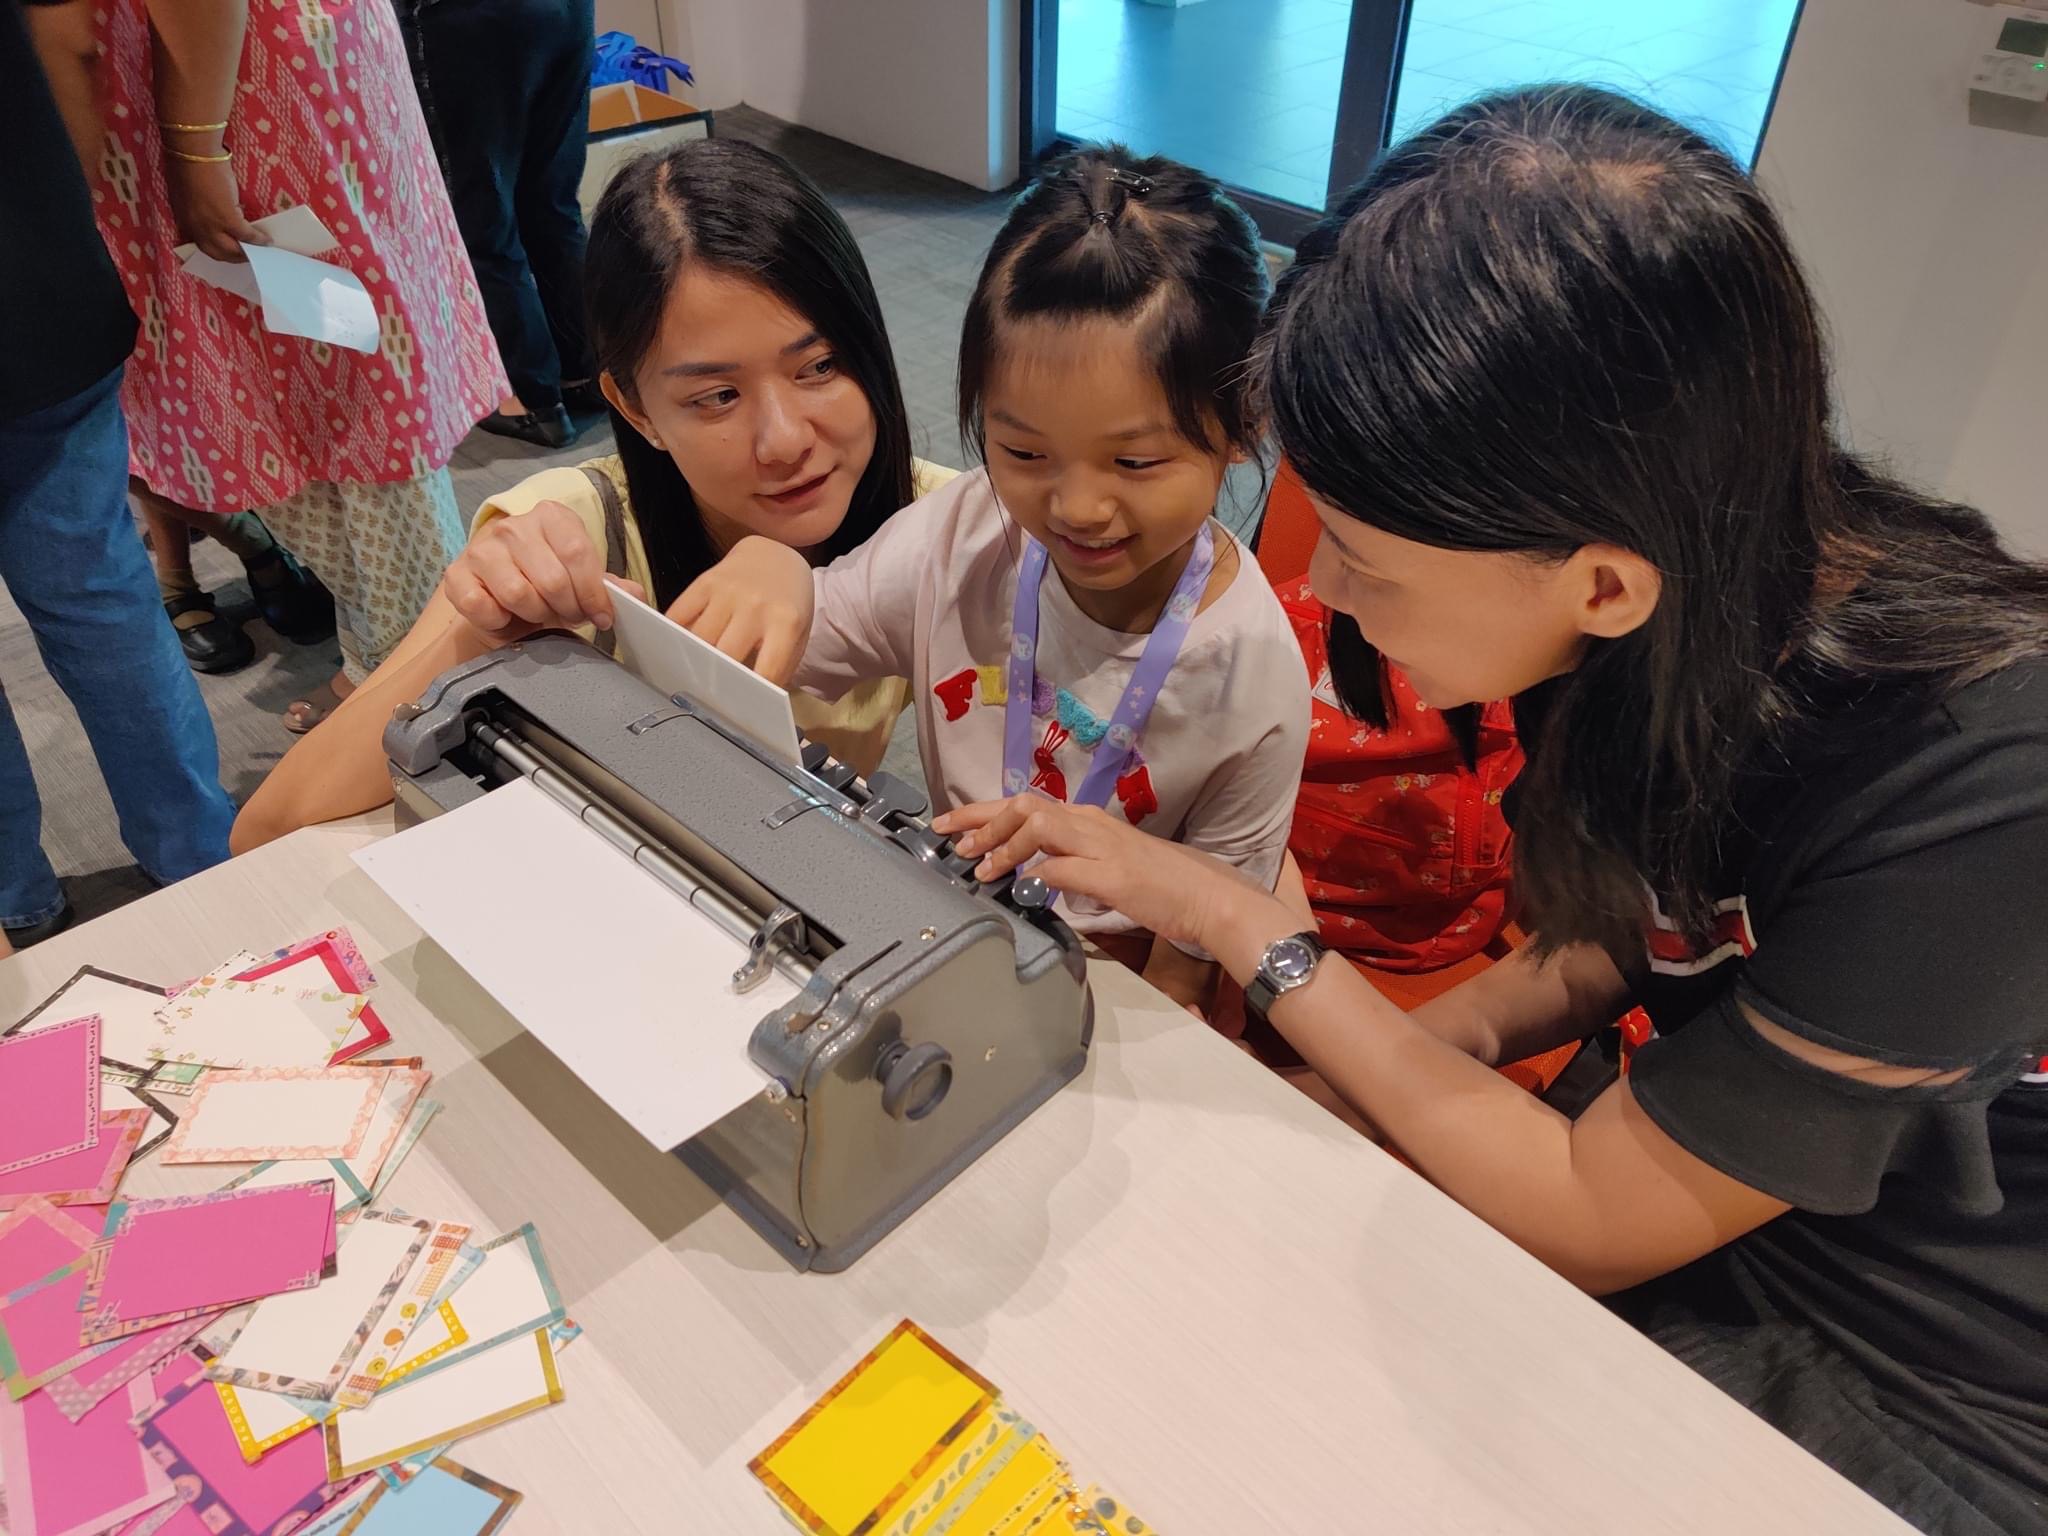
(220, 111)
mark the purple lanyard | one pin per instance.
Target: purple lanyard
(1162, 648)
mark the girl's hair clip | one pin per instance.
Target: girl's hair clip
(1131, 181)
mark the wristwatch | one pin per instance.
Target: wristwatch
(1287, 963)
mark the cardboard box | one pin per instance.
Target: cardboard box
(628, 120)
(627, 105)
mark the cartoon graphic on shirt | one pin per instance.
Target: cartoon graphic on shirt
(1067, 719)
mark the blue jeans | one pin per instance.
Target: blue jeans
(75, 566)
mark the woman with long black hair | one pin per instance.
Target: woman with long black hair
(1559, 392)
(752, 389)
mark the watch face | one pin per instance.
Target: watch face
(1290, 963)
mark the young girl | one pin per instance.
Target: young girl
(752, 391)
(1557, 386)
(1073, 622)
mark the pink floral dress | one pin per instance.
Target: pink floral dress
(343, 454)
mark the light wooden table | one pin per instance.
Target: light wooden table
(1215, 1299)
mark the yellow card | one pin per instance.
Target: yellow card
(865, 1447)
(1030, 1485)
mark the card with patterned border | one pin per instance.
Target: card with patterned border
(303, 1343)
(160, 1261)
(260, 1114)
(859, 1454)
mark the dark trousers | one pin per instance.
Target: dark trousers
(505, 85)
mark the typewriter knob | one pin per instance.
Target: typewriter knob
(914, 1078)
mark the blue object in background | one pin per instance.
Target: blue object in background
(621, 58)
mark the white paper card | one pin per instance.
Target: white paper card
(628, 984)
(298, 230)
(128, 1026)
(237, 1116)
(517, 1375)
(508, 1295)
(267, 1023)
(315, 299)
(667, 656)
(300, 1343)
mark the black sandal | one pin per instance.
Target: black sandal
(296, 605)
(212, 645)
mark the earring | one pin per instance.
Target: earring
(657, 444)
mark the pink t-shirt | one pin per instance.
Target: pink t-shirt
(929, 598)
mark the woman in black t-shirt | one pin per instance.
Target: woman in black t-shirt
(1557, 387)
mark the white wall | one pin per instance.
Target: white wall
(1927, 237)
(932, 82)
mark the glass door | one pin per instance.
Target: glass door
(1288, 101)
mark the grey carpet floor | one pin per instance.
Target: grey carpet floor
(923, 236)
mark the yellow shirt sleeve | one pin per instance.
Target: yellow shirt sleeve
(571, 486)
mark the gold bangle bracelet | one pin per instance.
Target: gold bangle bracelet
(179, 154)
(193, 127)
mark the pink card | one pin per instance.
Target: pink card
(36, 1237)
(368, 1034)
(191, 1440)
(49, 1093)
(336, 949)
(110, 1367)
(66, 1479)
(83, 1178)
(162, 1260)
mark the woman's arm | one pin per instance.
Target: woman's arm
(62, 35)
(338, 768)
(1522, 1006)
(197, 54)
(1608, 1200)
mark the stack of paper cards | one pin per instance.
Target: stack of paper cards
(913, 1441)
(241, 1362)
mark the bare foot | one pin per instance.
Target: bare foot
(511, 405)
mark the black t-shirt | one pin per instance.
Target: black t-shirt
(64, 322)
(1890, 905)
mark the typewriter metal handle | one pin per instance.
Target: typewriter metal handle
(914, 1078)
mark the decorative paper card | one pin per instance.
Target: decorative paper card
(441, 1332)
(123, 1086)
(482, 1391)
(302, 1343)
(1111, 1517)
(672, 1056)
(190, 1439)
(334, 1518)
(356, 1177)
(126, 1009)
(162, 1260)
(337, 951)
(444, 1500)
(866, 1444)
(49, 1093)
(36, 1238)
(262, 1421)
(83, 1178)
(366, 1034)
(402, 1314)
(39, 1331)
(110, 1367)
(511, 1293)
(221, 1021)
(415, 1126)
(252, 1114)
(66, 1479)
(402, 1471)
(1018, 1494)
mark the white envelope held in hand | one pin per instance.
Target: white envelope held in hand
(299, 295)
(661, 652)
